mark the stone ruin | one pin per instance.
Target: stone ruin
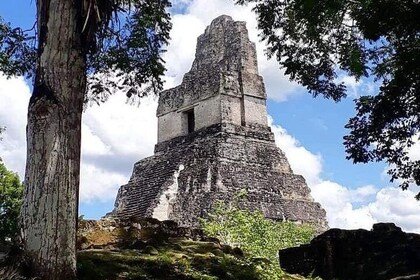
(214, 142)
(383, 253)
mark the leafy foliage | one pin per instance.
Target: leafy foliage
(17, 51)
(123, 40)
(11, 191)
(256, 235)
(1, 131)
(129, 44)
(316, 41)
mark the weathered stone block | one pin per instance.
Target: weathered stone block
(384, 252)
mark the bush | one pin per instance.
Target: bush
(11, 191)
(253, 233)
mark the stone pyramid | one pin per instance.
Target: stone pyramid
(214, 142)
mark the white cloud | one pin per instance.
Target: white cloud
(393, 204)
(278, 86)
(180, 2)
(414, 151)
(181, 51)
(356, 88)
(337, 201)
(123, 129)
(302, 161)
(363, 194)
(93, 144)
(349, 208)
(115, 136)
(98, 184)
(14, 99)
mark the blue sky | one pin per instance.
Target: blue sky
(20, 13)
(310, 131)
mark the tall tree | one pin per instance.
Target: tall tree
(317, 41)
(92, 45)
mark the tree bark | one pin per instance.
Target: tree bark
(49, 210)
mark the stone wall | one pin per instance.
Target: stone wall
(385, 253)
(188, 174)
(124, 233)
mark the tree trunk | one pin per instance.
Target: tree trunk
(49, 210)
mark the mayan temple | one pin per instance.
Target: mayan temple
(214, 142)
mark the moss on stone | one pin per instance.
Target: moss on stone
(180, 259)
